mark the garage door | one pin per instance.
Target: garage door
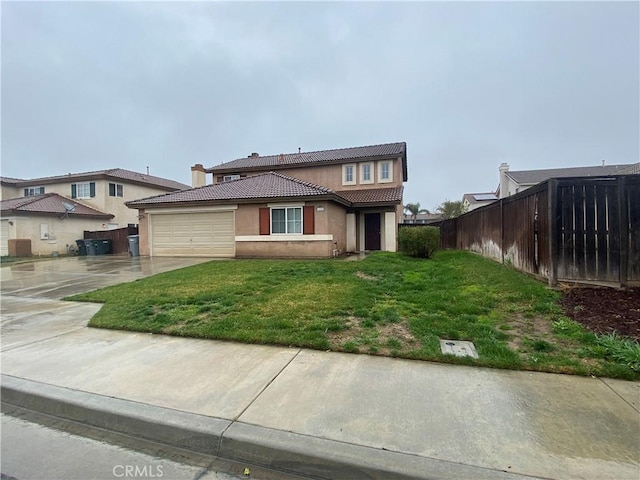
(210, 234)
(4, 237)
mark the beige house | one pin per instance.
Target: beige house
(94, 201)
(512, 182)
(305, 204)
(471, 201)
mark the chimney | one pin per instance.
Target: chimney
(147, 169)
(299, 149)
(504, 181)
(603, 162)
(254, 154)
(198, 176)
(281, 158)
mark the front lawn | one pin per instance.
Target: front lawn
(386, 304)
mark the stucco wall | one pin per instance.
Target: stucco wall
(331, 175)
(62, 233)
(317, 249)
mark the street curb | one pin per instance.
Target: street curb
(279, 450)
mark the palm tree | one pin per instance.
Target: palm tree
(451, 209)
(414, 209)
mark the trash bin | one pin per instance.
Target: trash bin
(82, 247)
(134, 245)
(90, 245)
(103, 246)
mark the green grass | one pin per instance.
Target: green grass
(387, 304)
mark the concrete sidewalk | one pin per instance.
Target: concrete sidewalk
(325, 415)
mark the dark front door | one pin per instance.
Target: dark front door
(372, 231)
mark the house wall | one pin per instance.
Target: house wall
(60, 233)
(7, 192)
(330, 234)
(123, 215)
(331, 175)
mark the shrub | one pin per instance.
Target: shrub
(419, 241)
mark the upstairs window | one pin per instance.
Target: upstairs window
(83, 190)
(33, 191)
(385, 174)
(116, 190)
(349, 174)
(366, 173)
(228, 178)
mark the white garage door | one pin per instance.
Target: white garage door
(4, 237)
(209, 234)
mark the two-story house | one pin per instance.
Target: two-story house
(53, 212)
(304, 204)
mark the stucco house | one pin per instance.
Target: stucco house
(471, 201)
(304, 204)
(512, 182)
(33, 208)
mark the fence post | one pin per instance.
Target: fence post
(623, 219)
(552, 198)
(502, 228)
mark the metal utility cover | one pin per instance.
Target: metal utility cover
(459, 348)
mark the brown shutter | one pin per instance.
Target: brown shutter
(265, 221)
(309, 220)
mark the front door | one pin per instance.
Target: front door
(372, 231)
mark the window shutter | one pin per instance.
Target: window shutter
(265, 221)
(73, 190)
(309, 220)
(92, 189)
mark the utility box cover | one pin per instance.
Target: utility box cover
(459, 348)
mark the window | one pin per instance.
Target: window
(385, 174)
(286, 220)
(33, 191)
(83, 190)
(115, 190)
(366, 173)
(349, 174)
(228, 178)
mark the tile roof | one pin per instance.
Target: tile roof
(531, 177)
(113, 173)
(373, 196)
(262, 186)
(339, 155)
(49, 203)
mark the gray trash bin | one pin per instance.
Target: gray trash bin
(91, 246)
(134, 245)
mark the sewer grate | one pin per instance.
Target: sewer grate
(459, 348)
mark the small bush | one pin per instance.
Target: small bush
(419, 242)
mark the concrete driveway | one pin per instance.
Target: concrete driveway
(30, 304)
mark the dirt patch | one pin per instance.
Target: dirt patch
(365, 276)
(521, 328)
(605, 310)
(386, 339)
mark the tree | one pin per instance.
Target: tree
(414, 209)
(451, 209)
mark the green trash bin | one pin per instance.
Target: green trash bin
(103, 246)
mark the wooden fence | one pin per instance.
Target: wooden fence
(583, 229)
(119, 237)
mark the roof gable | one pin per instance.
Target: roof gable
(50, 204)
(320, 157)
(262, 186)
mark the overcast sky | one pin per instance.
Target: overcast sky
(90, 86)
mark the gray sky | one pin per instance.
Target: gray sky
(89, 86)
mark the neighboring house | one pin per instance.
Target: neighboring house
(471, 201)
(52, 222)
(104, 192)
(305, 204)
(514, 182)
(422, 218)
